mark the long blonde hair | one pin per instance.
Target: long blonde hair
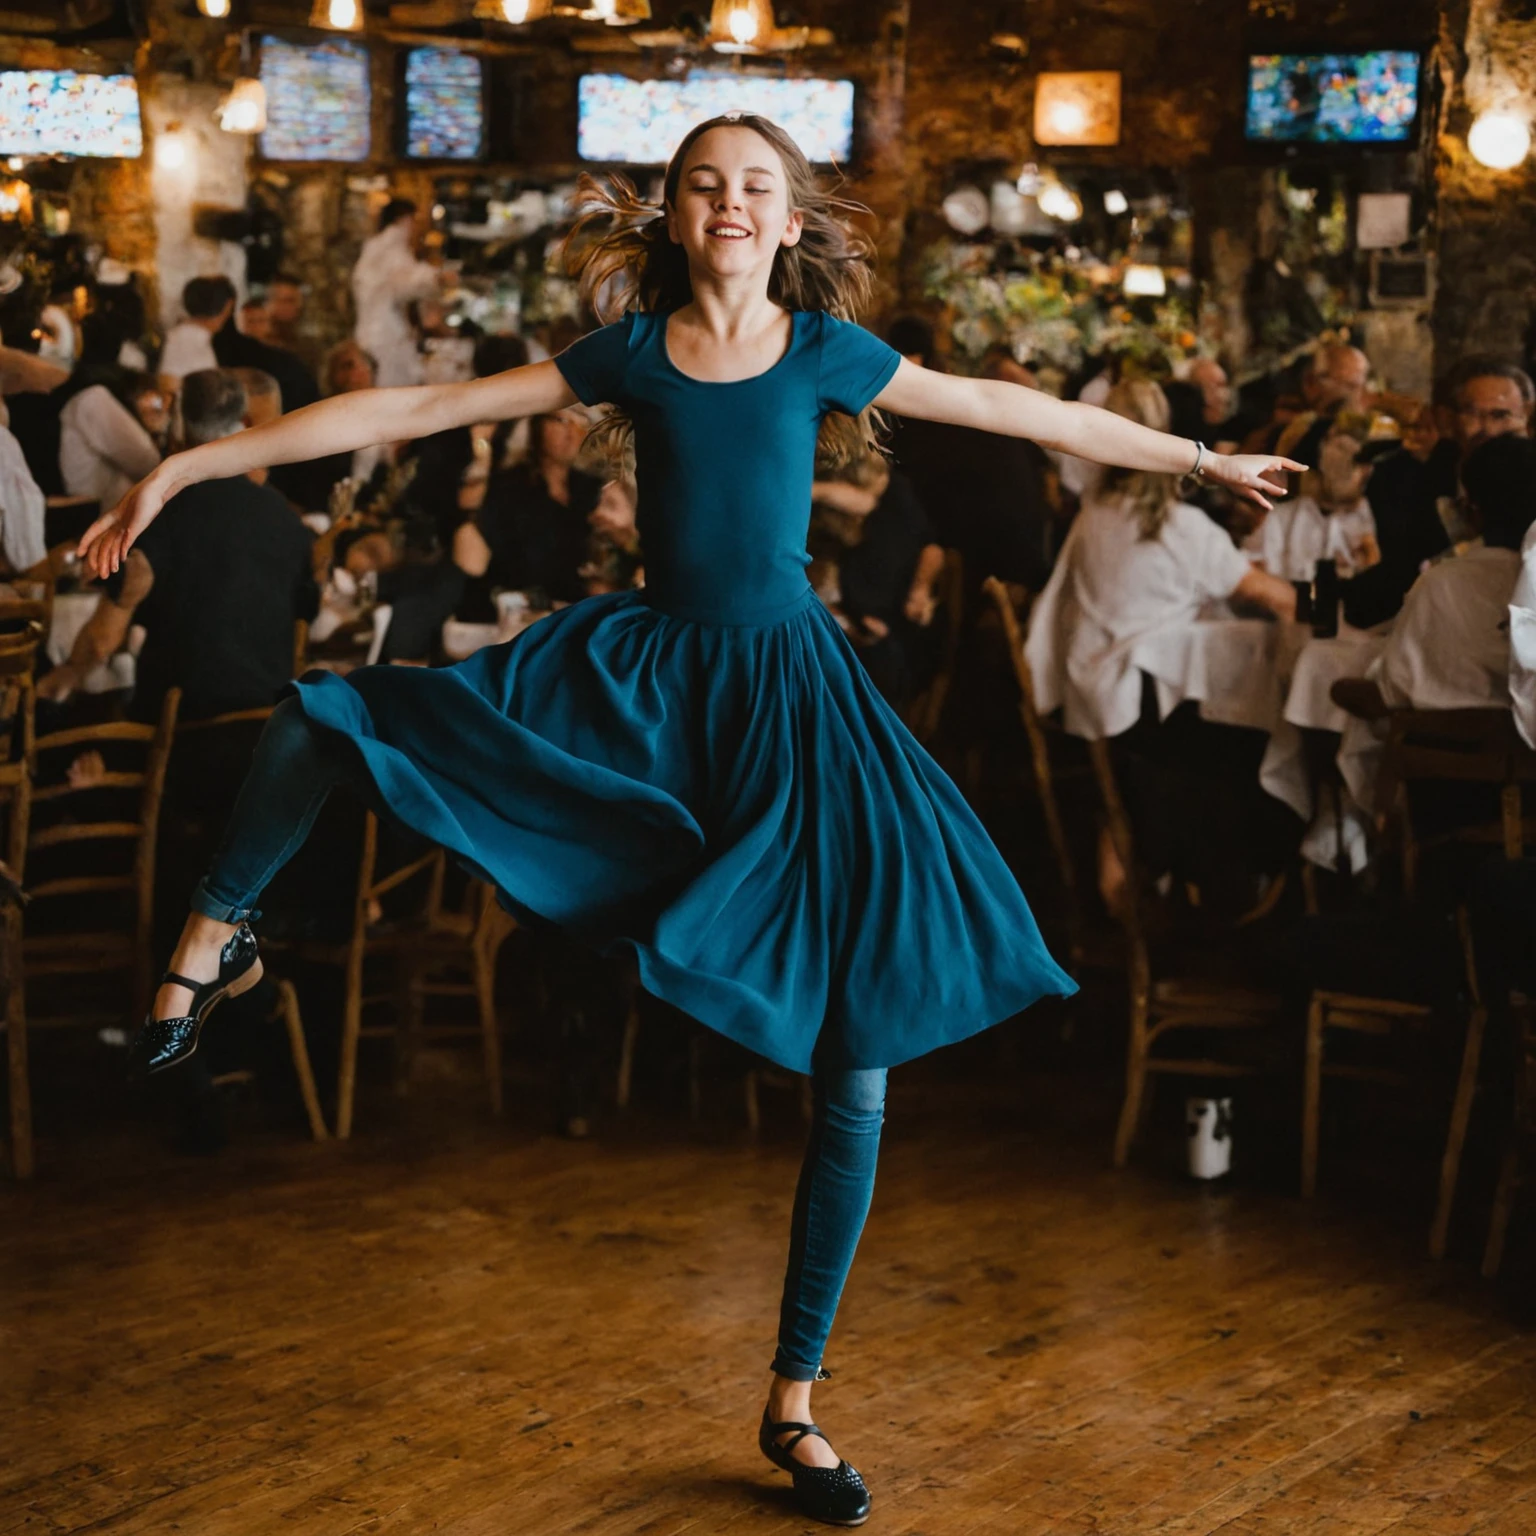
(619, 251)
(1145, 492)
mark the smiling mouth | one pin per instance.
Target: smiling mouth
(728, 232)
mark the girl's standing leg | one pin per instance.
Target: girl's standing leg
(837, 1181)
(294, 769)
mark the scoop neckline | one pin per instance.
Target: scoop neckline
(752, 378)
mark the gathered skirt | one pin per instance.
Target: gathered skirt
(734, 804)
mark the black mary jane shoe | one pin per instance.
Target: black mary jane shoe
(163, 1043)
(833, 1495)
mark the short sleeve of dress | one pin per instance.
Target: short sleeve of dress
(855, 366)
(594, 366)
(1205, 550)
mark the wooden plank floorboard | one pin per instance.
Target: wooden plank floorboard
(509, 1334)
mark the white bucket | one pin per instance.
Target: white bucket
(1209, 1124)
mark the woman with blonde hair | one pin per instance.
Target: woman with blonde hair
(699, 774)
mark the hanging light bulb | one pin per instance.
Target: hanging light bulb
(741, 26)
(1060, 202)
(215, 10)
(512, 13)
(1499, 140)
(338, 15)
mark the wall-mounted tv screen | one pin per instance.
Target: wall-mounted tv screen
(318, 100)
(640, 122)
(59, 112)
(1333, 98)
(444, 105)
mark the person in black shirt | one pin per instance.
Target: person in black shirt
(985, 495)
(878, 562)
(218, 581)
(531, 531)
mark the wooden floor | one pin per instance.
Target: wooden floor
(473, 1329)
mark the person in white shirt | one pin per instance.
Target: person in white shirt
(209, 302)
(1450, 646)
(1136, 561)
(1329, 520)
(22, 507)
(103, 450)
(1522, 642)
(386, 281)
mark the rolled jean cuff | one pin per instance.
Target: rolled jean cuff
(797, 1370)
(206, 906)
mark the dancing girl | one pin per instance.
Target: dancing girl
(699, 774)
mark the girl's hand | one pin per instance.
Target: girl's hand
(1254, 476)
(107, 541)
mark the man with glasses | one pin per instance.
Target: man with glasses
(1415, 491)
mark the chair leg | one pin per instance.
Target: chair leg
(627, 1057)
(1503, 1205)
(490, 1028)
(21, 1085)
(298, 1046)
(1135, 1081)
(351, 1030)
(1456, 1135)
(1312, 1097)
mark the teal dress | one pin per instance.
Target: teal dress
(701, 773)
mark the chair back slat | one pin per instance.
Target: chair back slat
(84, 832)
(109, 780)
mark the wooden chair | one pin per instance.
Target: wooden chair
(1522, 1137)
(128, 946)
(927, 709)
(1459, 746)
(1185, 997)
(18, 692)
(421, 945)
(15, 805)
(1035, 730)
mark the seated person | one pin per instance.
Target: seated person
(614, 561)
(420, 593)
(452, 467)
(878, 562)
(251, 346)
(308, 485)
(1413, 492)
(1136, 561)
(23, 544)
(1522, 641)
(984, 494)
(218, 580)
(1329, 520)
(530, 533)
(103, 450)
(209, 302)
(1450, 646)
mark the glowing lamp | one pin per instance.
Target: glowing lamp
(338, 15)
(1144, 281)
(1078, 107)
(1499, 140)
(1116, 203)
(215, 10)
(245, 108)
(171, 148)
(741, 26)
(514, 13)
(1060, 202)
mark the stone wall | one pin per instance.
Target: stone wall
(1485, 221)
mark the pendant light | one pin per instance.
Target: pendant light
(512, 13)
(214, 10)
(337, 15)
(741, 26)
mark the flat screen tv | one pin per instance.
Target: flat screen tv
(1333, 98)
(318, 100)
(444, 105)
(640, 122)
(60, 112)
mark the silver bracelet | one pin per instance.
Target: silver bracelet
(1194, 474)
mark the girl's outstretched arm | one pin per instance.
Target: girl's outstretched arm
(1011, 410)
(337, 425)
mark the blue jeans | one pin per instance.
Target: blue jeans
(296, 766)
